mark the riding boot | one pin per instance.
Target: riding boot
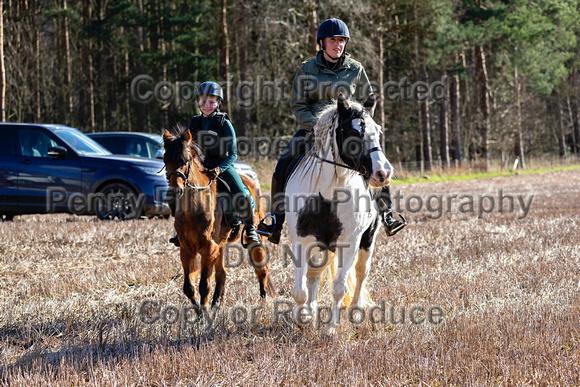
(172, 202)
(249, 228)
(277, 212)
(175, 240)
(383, 200)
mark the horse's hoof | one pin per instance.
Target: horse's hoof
(302, 315)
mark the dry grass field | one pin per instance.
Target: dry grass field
(71, 291)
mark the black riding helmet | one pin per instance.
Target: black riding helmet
(331, 28)
(210, 88)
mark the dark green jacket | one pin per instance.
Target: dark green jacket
(315, 85)
(217, 138)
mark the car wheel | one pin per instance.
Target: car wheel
(117, 200)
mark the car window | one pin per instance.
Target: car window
(153, 148)
(114, 144)
(7, 143)
(34, 143)
(83, 145)
(137, 147)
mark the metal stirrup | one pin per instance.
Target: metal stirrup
(271, 227)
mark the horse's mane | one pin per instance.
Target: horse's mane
(327, 123)
(175, 149)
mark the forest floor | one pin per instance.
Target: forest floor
(482, 288)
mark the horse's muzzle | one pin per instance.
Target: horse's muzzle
(175, 192)
(381, 178)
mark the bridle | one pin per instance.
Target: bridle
(357, 167)
(185, 177)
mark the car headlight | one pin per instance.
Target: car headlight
(150, 170)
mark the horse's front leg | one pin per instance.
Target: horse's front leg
(258, 256)
(313, 283)
(209, 255)
(190, 269)
(363, 263)
(220, 279)
(339, 285)
(300, 269)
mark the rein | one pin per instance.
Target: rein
(185, 177)
(358, 162)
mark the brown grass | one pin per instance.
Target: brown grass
(70, 290)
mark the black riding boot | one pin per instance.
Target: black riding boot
(274, 230)
(171, 202)
(249, 228)
(383, 200)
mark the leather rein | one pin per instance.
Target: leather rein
(185, 177)
(358, 160)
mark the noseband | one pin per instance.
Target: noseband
(358, 167)
(185, 177)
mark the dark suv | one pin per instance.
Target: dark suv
(149, 145)
(54, 168)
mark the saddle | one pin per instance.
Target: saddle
(231, 217)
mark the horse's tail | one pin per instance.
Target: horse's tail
(365, 296)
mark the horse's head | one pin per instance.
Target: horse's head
(183, 160)
(359, 139)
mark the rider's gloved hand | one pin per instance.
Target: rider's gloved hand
(213, 173)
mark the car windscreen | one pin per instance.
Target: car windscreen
(83, 145)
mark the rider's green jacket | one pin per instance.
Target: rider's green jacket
(217, 138)
(315, 84)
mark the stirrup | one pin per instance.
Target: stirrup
(267, 229)
(403, 221)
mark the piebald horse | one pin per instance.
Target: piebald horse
(330, 209)
(200, 222)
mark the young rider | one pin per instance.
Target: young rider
(317, 82)
(214, 133)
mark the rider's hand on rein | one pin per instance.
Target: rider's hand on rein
(213, 173)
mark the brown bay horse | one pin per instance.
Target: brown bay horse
(200, 222)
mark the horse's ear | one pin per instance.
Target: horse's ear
(187, 137)
(342, 103)
(370, 104)
(166, 135)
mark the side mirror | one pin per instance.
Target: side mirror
(159, 154)
(57, 152)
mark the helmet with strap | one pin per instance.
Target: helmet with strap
(332, 28)
(210, 88)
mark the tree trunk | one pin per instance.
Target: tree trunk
(141, 107)
(88, 16)
(444, 127)
(225, 57)
(244, 5)
(2, 68)
(574, 114)
(312, 27)
(426, 128)
(483, 91)
(519, 146)
(127, 94)
(380, 75)
(561, 136)
(424, 124)
(37, 77)
(454, 93)
(68, 67)
(575, 123)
